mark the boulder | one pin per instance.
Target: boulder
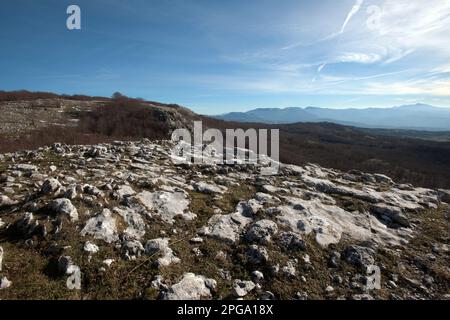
(50, 186)
(25, 167)
(66, 265)
(359, 256)
(26, 225)
(132, 249)
(196, 240)
(96, 151)
(289, 269)
(161, 247)
(5, 283)
(257, 255)
(249, 208)
(226, 227)
(5, 178)
(261, 232)
(92, 190)
(63, 207)
(136, 225)
(90, 247)
(122, 192)
(207, 188)
(329, 289)
(364, 296)
(394, 214)
(191, 287)
(291, 241)
(158, 283)
(108, 262)
(334, 259)
(5, 201)
(242, 288)
(382, 178)
(257, 276)
(71, 192)
(102, 227)
(166, 205)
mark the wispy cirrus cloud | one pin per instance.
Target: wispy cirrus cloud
(360, 57)
(350, 15)
(408, 39)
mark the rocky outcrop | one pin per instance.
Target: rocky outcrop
(307, 227)
(360, 256)
(444, 195)
(262, 231)
(242, 288)
(161, 248)
(226, 227)
(63, 207)
(102, 227)
(5, 201)
(191, 287)
(50, 186)
(166, 205)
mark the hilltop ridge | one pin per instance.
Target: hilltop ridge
(413, 117)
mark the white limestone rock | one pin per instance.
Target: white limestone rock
(102, 227)
(108, 262)
(257, 254)
(50, 186)
(262, 231)
(90, 247)
(329, 223)
(25, 167)
(289, 270)
(191, 287)
(161, 247)
(66, 265)
(71, 192)
(5, 283)
(5, 201)
(242, 288)
(359, 256)
(132, 249)
(208, 188)
(166, 205)
(64, 207)
(123, 191)
(136, 225)
(226, 227)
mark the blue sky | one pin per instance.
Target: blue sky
(218, 56)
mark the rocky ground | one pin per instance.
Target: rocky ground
(19, 117)
(26, 117)
(134, 225)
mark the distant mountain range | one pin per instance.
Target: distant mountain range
(417, 117)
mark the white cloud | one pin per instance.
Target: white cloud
(352, 12)
(320, 68)
(406, 26)
(360, 57)
(436, 87)
(410, 41)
